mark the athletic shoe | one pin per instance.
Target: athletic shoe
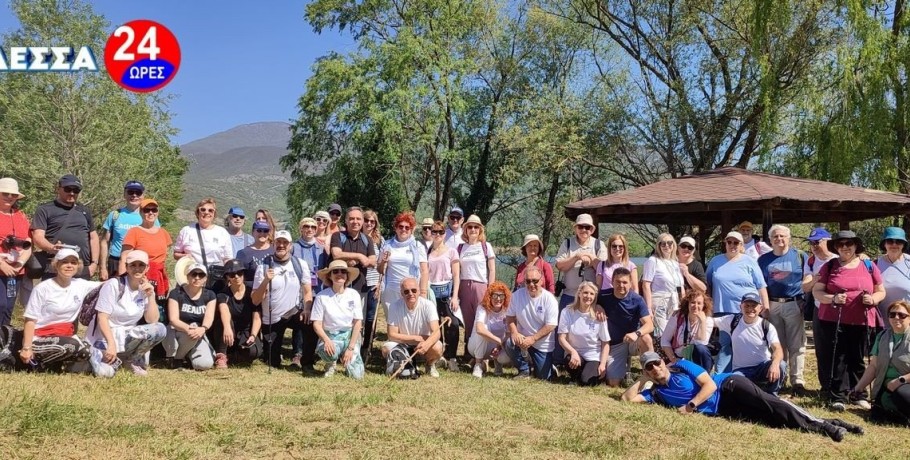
(498, 369)
(836, 433)
(138, 370)
(799, 390)
(221, 361)
(295, 362)
(308, 370)
(523, 376)
(855, 429)
(478, 371)
(453, 365)
(431, 369)
(862, 403)
(329, 370)
(837, 407)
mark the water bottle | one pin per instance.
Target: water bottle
(11, 287)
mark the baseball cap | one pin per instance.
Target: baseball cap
(137, 255)
(649, 357)
(735, 235)
(134, 185)
(261, 225)
(745, 224)
(283, 234)
(334, 207)
(233, 266)
(687, 240)
(146, 202)
(237, 212)
(818, 234)
(69, 180)
(456, 210)
(66, 252)
(321, 214)
(584, 219)
(751, 297)
(196, 266)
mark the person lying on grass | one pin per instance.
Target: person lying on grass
(689, 388)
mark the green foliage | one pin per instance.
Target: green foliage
(84, 124)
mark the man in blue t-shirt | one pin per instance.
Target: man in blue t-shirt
(783, 272)
(629, 323)
(115, 227)
(688, 388)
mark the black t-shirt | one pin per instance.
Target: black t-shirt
(251, 259)
(360, 245)
(697, 270)
(70, 225)
(191, 311)
(241, 310)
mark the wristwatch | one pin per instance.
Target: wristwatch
(902, 380)
(638, 333)
(692, 405)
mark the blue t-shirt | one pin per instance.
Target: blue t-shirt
(315, 257)
(251, 258)
(623, 315)
(683, 386)
(731, 280)
(783, 274)
(117, 228)
(239, 242)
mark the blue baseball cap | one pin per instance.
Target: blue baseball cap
(456, 210)
(261, 225)
(236, 212)
(751, 297)
(134, 185)
(818, 234)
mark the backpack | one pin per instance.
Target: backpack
(344, 238)
(316, 252)
(269, 261)
(596, 246)
(87, 313)
(765, 325)
(8, 336)
(396, 357)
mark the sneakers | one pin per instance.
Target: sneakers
(431, 369)
(308, 370)
(295, 362)
(862, 403)
(329, 370)
(523, 376)
(851, 428)
(837, 407)
(799, 390)
(453, 365)
(836, 433)
(138, 370)
(478, 371)
(221, 361)
(497, 369)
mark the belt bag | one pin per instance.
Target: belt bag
(442, 291)
(215, 271)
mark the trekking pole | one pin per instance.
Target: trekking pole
(268, 359)
(840, 311)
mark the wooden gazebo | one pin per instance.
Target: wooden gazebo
(726, 196)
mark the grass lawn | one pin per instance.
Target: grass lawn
(247, 412)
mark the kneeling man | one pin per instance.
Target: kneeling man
(532, 319)
(414, 323)
(757, 352)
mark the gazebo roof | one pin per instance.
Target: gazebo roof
(703, 198)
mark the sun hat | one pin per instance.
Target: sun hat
(321, 214)
(308, 221)
(474, 219)
(326, 273)
(584, 219)
(530, 238)
(137, 255)
(893, 233)
(846, 235)
(427, 222)
(180, 269)
(9, 185)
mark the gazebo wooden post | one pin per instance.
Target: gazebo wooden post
(767, 220)
(726, 223)
(845, 225)
(702, 240)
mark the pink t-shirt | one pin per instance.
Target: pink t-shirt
(605, 270)
(440, 266)
(853, 281)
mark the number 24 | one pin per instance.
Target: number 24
(148, 45)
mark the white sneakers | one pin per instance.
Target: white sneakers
(478, 371)
(329, 370)
(453, 365)
(431, 369)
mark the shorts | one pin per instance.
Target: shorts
(619, 359)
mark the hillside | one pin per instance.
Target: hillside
(239, 167)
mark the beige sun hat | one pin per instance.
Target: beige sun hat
(9, 185)
(325, 273)
(474, 219)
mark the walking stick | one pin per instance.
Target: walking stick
(410, 358)
(840, 311)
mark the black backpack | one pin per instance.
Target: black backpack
(765, 325)
(396, 357)
(8, 336)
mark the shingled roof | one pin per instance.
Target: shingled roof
(732, 194)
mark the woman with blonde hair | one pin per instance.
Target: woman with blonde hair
(206, 242)
(889, 368)
(322, 228)
(263, 215)
(478, 270)
(585, 340)
(617, 256)
(372, 229)
(490, 329)
(662, 282)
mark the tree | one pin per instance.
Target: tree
(82, 123)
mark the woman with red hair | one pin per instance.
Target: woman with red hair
(402, 257)
(490, 329)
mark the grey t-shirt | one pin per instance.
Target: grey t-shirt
(70, 225)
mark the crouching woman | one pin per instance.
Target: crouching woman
(114, 333)
(337, 318)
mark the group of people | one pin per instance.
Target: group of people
(236, 295)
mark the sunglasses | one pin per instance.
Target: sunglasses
(650, 366)
(472, 227)
(732, 242)
(893, 241)
(404, 227)
(151, 210)
(307, 226)
(369, 221)
(323, 219)
(845, 244)
(339, 271)
(585, 227)
(408, 291)
(206, 210)
(454, 217)
(686, 246)
(134, 193)
(234, 274)
(532, 280)
(898, 315)
(815, 243)
(665, 243)
(259, 230)
(72, 189)
(235, 216)
(438, 232)
(336, 214)
(196, 275)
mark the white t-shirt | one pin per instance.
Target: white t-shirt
(453, 239)
(663, 274)
(337, 311)
(217, 240)
(52, 304)
(124, 312)
(286, 286)
(666, 339)
(494, 322)
(749, 347)
(403, 255)
(416, 322)
(584, 333)
(473, 262)
(532, 314)
(815, 269)
(571, 277)
(756, 250)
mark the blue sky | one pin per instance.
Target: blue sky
(242, 61)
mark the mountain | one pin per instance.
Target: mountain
(239, 167)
